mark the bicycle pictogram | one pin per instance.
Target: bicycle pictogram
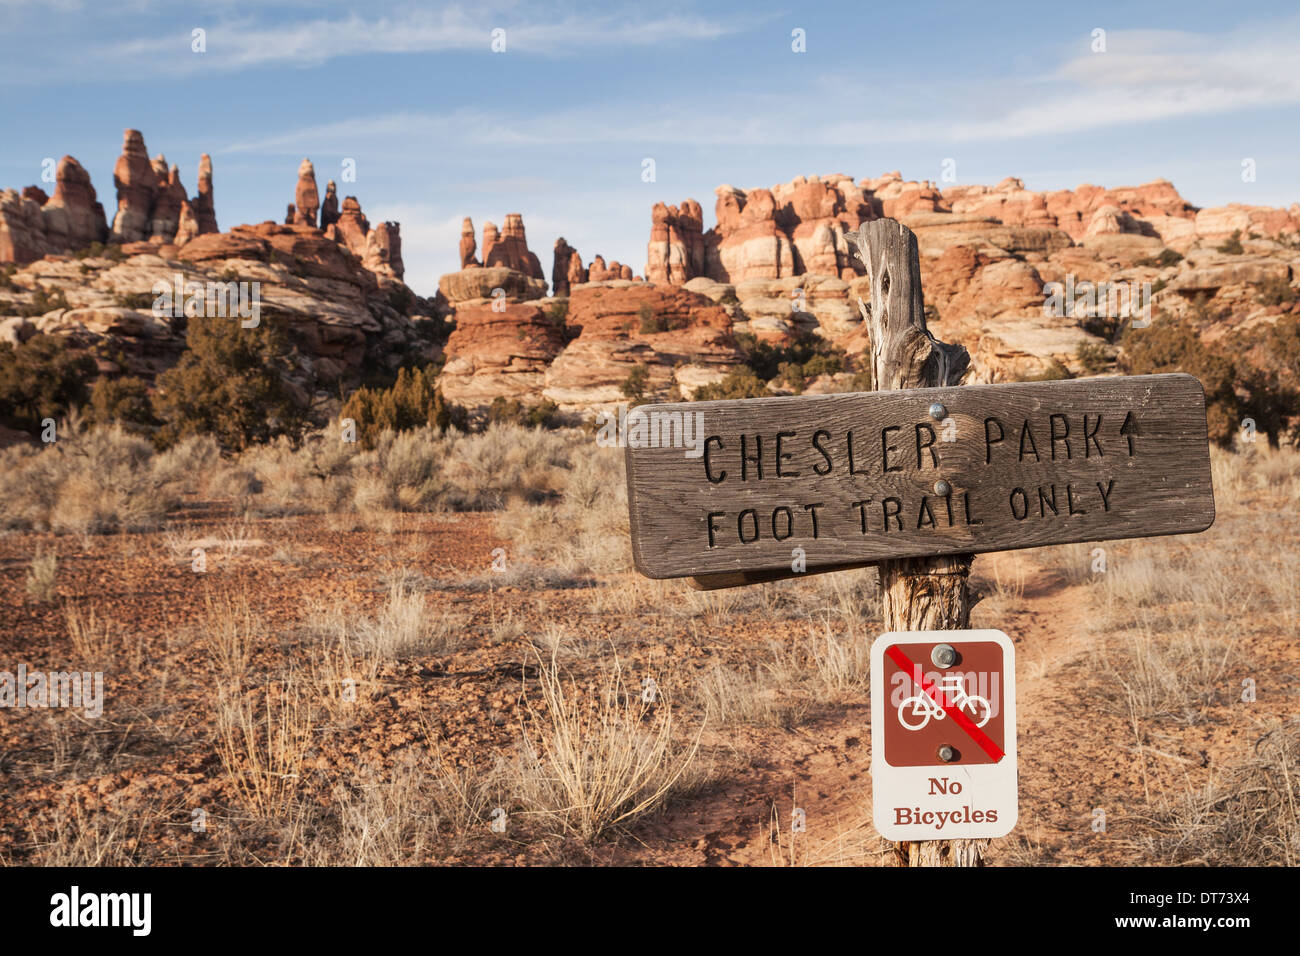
(921, 707)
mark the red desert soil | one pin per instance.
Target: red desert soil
(155, 745)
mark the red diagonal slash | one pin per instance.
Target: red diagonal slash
(960, 719)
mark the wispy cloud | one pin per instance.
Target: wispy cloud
(249, 42)
(1144, 77)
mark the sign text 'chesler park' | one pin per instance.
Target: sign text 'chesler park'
(861, 477)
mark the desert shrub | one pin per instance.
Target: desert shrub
(1232, 245)
(229, 383)
(558, 311)
(1167, 259)
(545, 414)
(586, 530)
(739, 383)
(42, 378)
(42, 575)
(414, 401)
(99, 250)
(1174, 346)
(401, 298)
(1092, 358)
(44, 301)
(141, 301)
(633, 387)
(124, 401)
(1054, 371)
(89, 482)
(1276, 291)
(504, 462)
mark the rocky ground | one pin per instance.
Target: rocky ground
(371, 686)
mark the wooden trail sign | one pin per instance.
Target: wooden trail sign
(1151, 476)
(826, 481)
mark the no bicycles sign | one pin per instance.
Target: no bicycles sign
(943, 735)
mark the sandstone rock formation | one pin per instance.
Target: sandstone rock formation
(329, 207)
(475, 286)
(204, 209)
(690, 344)
(339, 313)
(563, 266)
(599, 272)
(582, 361)
(379, 249)
(500, 353)
(509, 248)
(305, 198)
(467, 244)
(137, 185)
(32, 225)
(798, 227)
(73, 216)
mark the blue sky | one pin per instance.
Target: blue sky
(556, 127)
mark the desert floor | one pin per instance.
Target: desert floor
(367, 688)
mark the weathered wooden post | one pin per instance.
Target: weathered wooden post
(917, 594)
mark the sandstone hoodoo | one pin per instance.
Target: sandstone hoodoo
(509, 248)
(337, 291)
(329, 207)
(467, 244)
(306, 200)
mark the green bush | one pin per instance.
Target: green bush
(1054, 372)
(142, 301)
(229, 384)
(634, 385)
(99, 250)
(558, 311)
(1232, 245)
(1092, 357)
(42, 378)
(740, 382)
(43, 302)
(123, 401)
(503, 410)
(1166, 259)
(414, 401)
(1175, 346)
(1276, 291)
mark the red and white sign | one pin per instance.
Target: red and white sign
(943, 735)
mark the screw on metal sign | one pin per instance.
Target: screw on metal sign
(943, 735)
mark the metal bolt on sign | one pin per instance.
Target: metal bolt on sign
(944, 655)
(938, 412)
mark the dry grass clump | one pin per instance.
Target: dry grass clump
(421, 469)
(601, 756)
(1179, 675)
(42, 575)
(404, 815)
(403, 626)
(587, 529)
(821, 668)
(263, 738)
(93, 482)
(91, 636)
(1249, 816)
(1241, 475)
